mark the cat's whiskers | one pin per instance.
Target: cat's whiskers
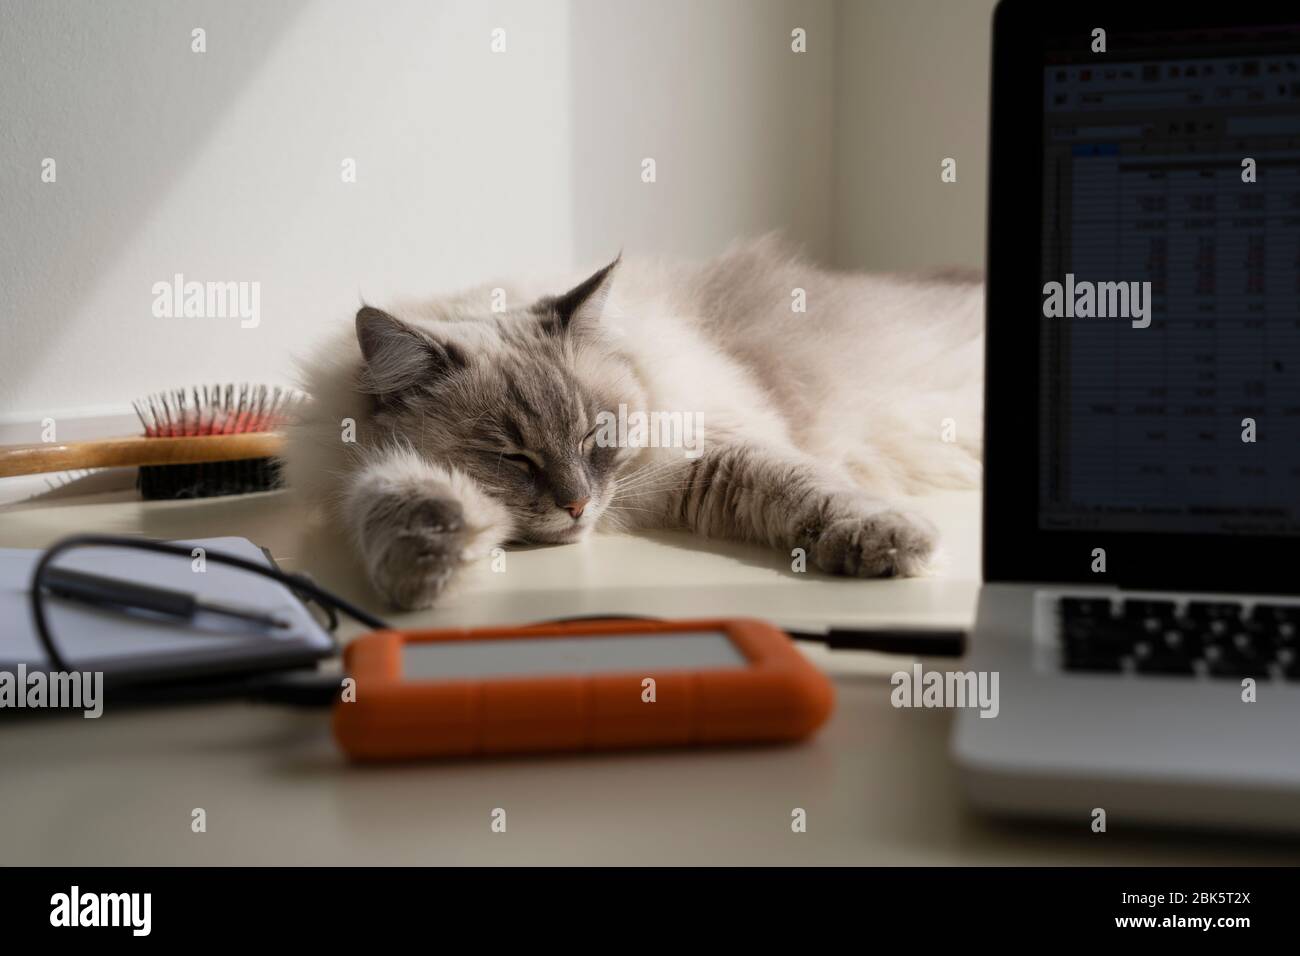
(653, 484)
(644, 475)
(643, 469)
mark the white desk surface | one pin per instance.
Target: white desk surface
(876, 782)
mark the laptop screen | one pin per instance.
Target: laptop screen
(1169, 349)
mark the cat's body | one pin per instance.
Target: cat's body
(474, 427)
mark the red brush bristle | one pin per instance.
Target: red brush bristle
(216, 410)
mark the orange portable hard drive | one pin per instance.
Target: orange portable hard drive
(579, 686)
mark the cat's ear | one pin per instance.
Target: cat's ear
(582, 306)
(399, 355)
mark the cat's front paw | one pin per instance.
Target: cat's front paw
(881, 544)
(415, 548)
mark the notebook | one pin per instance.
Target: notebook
(123, 645)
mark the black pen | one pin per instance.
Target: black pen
(114, 592)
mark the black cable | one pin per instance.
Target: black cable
(920, 642)
(302, 688)
(297, 690)
(297, 583)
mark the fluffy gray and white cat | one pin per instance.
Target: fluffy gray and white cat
(476, 426)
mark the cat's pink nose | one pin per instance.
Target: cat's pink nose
(575, 507)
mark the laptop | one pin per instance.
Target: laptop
(1141, 598)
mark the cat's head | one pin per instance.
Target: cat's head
(511, 399)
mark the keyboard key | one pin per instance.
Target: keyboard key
(1289, 660)
(1254, 639)
(1155, 657)
(1096, 646)
(1207, 611)
(1102, 637)
(1223, 661)
(1135, 609)
(1282, 622)
(1150, 617)
(1179, 642)
(1218, 628)
(1277, 613)
(1085, 609)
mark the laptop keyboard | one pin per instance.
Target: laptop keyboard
(1215, 638)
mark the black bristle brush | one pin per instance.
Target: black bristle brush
(197, 443)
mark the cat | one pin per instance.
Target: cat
(803, 400)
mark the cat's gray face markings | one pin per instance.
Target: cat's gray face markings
(511, 400)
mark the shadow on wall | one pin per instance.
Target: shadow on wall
(116, 95)
(320, 152)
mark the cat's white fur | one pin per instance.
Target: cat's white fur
(879, 380)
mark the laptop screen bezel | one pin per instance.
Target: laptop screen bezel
(1015, 548)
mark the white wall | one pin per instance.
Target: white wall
(911, 88)
(740, 127)
(226, 165)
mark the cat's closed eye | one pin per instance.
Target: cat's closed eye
(523, 462)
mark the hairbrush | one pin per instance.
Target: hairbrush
(197, 443)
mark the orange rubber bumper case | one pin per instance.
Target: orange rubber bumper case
(772, 693)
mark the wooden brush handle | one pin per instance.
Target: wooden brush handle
(134, 452)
